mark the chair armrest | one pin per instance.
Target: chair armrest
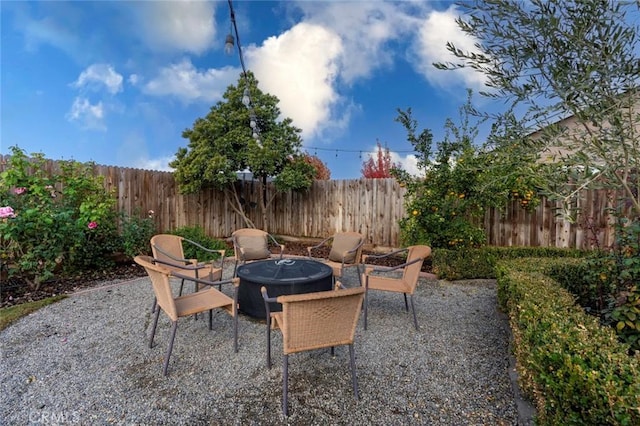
(170, 256)
(186, 266)
(221, 252)
(382, 256)
(235, 281)
(319, 245)
(274, 241)
(389, 269)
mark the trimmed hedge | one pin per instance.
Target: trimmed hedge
(574, 369)
(471, 263)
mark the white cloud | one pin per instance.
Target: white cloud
(299, 67)
(185, 26)
(89, 116)
(184, 81)
(431, 46)
(408, 163)
(98, 75)
(133, 79)
(160, 164)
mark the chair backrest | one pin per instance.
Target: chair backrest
(346, 241)
(321, 319)
(412, 272)
(161, 287)
(167, 247)
(253, 242)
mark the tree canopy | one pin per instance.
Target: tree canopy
(224, 142)
(551, 60)
(381, 166)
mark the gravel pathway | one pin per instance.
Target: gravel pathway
(85, 360)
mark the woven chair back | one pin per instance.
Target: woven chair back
(165, 246)
(161, 286)
(320, 320)
(412, 272)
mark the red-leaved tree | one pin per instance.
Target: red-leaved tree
(380, 167)
(322, 171)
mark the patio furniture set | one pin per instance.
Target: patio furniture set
(302, 297)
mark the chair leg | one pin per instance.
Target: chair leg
(155, 302)
(285, 387)
(181, 286)
(153, 329)
(268, 344)
(170, 348)
(366, 306)
(413, 309)
(406, 305)
(333, 351)
(354, 379)
(210, 319)
(235, 320)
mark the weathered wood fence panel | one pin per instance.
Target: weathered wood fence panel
(370, 206)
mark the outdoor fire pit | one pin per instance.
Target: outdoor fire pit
(282, 276)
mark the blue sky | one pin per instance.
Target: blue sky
(117, 82)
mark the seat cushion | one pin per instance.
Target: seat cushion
(342, 243)
(254, 247)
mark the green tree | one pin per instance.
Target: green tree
(445, 208)
(221, 144)
(553, 59)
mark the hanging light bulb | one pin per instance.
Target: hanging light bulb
(245, 97)
(229, 44)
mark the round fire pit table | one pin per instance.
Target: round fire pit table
(282, 276)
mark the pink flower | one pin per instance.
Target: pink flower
(92, 225)
(6, 212)
(19, 190)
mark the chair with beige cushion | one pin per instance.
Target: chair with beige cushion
(375, 278)
(192, 303)
(345, 251)
(312, 321)
(251, 244)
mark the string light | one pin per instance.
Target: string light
(246, 94)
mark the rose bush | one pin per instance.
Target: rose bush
(46, 221)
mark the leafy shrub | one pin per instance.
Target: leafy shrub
(197, 234)
(574, 369)
(605, 284)
(52, 220)
(471, 263)
(136, 233)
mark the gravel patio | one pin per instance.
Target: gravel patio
(85, 360)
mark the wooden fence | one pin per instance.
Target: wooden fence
(370, 206)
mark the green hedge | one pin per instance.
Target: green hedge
(471, 263)
(575, 370)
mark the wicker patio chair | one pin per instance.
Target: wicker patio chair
(192, 303)
(405, 284)
(346, 251)
(314, 321)
(251, 244)
(169, 249)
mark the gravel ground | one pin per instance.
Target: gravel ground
(85, 360)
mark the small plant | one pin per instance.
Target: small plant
(136, 233)
(197, 234)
